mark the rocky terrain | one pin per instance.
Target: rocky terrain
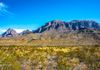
(58, 33)
(61, 26)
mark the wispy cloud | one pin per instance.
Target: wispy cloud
(4, 10)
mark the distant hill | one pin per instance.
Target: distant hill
(25, 32)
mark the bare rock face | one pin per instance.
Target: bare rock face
(10, 33)
(61, 26)
(55, 25)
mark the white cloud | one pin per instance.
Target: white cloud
(2, 31)
(19, 30)
(3, 9)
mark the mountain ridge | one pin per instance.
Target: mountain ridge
(58, 26)
(68, 26)
(57, 33)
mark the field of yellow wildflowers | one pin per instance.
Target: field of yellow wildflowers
(49, 58)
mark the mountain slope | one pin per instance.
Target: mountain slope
(61, 26)
(76, 32)
(10, 33)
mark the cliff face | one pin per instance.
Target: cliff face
(61, 26)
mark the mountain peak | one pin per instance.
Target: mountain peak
(10, 29)
(56, 21)
(61, 26)
(52, 25)
(9, 33)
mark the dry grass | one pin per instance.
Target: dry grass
(49, 58)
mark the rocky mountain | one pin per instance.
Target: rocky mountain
(72, 33)
(56, 32)
(61, 26)
(60, 29)
(10, 33)
(52, 26)
(25, 32)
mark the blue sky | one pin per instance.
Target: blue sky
(31, 14)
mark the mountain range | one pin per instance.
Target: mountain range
(58, 26)
(60, 32)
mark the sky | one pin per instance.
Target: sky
(31, 14)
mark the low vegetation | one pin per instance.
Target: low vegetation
(49, 58)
